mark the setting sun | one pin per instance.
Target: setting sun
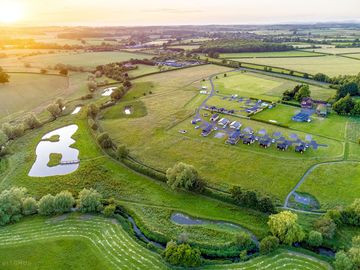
(10, 12)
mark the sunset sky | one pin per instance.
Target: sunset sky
(163, 12)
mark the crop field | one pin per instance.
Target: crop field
(87, 241)
(281, 260)
(32, 92)
(313, 65)
(334, 184)
(286, 54)
(164, 145)
(82, 59)
(27, 91)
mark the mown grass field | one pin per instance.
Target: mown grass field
(249, 84)
(330, 65)
(279, 260)
(333, 50)
(154, 139)
(72, 242)
(334, 184)
(142, 70)
(284, 54)
(92, 59)
(320, 126)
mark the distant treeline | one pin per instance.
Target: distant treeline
(239, 46)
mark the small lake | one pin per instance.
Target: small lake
(108, 91)
(45, 148)
(183, 219)
(77, 110)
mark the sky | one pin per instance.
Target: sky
(174, 12)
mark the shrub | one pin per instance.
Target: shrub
(314, 239)
(184, 176)
(63, 202)
(13, 131)
(326, 227)
(46, 205)
(182, 255)
(89, 201)
(31, 121)
(269, 244)
(92, 86)
(243, 240)
(285, 227)
(93, 110)
(122, 151)
(104, 140)
(109, 210)
(29, 206)
(54, 109)
(343, 262)
(11, 204)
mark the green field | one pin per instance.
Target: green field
(76, 241)
(262, 87)
(333, 50)
(330, 65)
(154, 139)
(142, 70)
(91, 59)
(334, 184)
(286, 54)
(72, 242)
(279, 260)
(282, 114)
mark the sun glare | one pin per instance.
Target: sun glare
(10, 12)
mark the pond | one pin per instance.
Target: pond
(69, 156)
(108, 91)
(183, 219)
(76, 110)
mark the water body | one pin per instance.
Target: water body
(183, 219)
(77, 110)
(140, 235)
(45, 148)
(108, 91)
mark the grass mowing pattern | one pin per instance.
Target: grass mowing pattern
(280, 261)
(105, 236)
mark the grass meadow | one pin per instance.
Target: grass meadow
(334, 184)
(330, 65)
(169, 110)
(285, 54)
(84, 59)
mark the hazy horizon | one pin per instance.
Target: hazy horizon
(176, 12)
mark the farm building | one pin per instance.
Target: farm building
(265, 143)
(235, 125)
(282, 146)
(234, 138)
(207, 130)
(321, 110)
(301, 117)
(224, 122)
(214, 117)
(307, 103)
